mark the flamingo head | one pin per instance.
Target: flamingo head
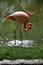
(28, 27)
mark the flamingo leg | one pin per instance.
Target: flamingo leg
(15, 34)
(15, 37)
(27, 35)
(21, 36)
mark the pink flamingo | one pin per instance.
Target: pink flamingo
(20, 17)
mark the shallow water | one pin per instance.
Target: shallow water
(26, 43)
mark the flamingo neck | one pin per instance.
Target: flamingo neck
(25, 26)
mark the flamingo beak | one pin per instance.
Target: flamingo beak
(25, 29)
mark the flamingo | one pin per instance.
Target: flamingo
(20, 17)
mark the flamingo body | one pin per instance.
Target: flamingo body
(20, 17)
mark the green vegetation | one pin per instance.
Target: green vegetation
(8, 52)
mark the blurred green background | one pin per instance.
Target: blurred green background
(7, 29)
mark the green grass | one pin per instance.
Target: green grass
(8, 52)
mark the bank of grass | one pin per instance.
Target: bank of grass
(16, 52)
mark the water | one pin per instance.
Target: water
(26, 43)
(7, 29)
